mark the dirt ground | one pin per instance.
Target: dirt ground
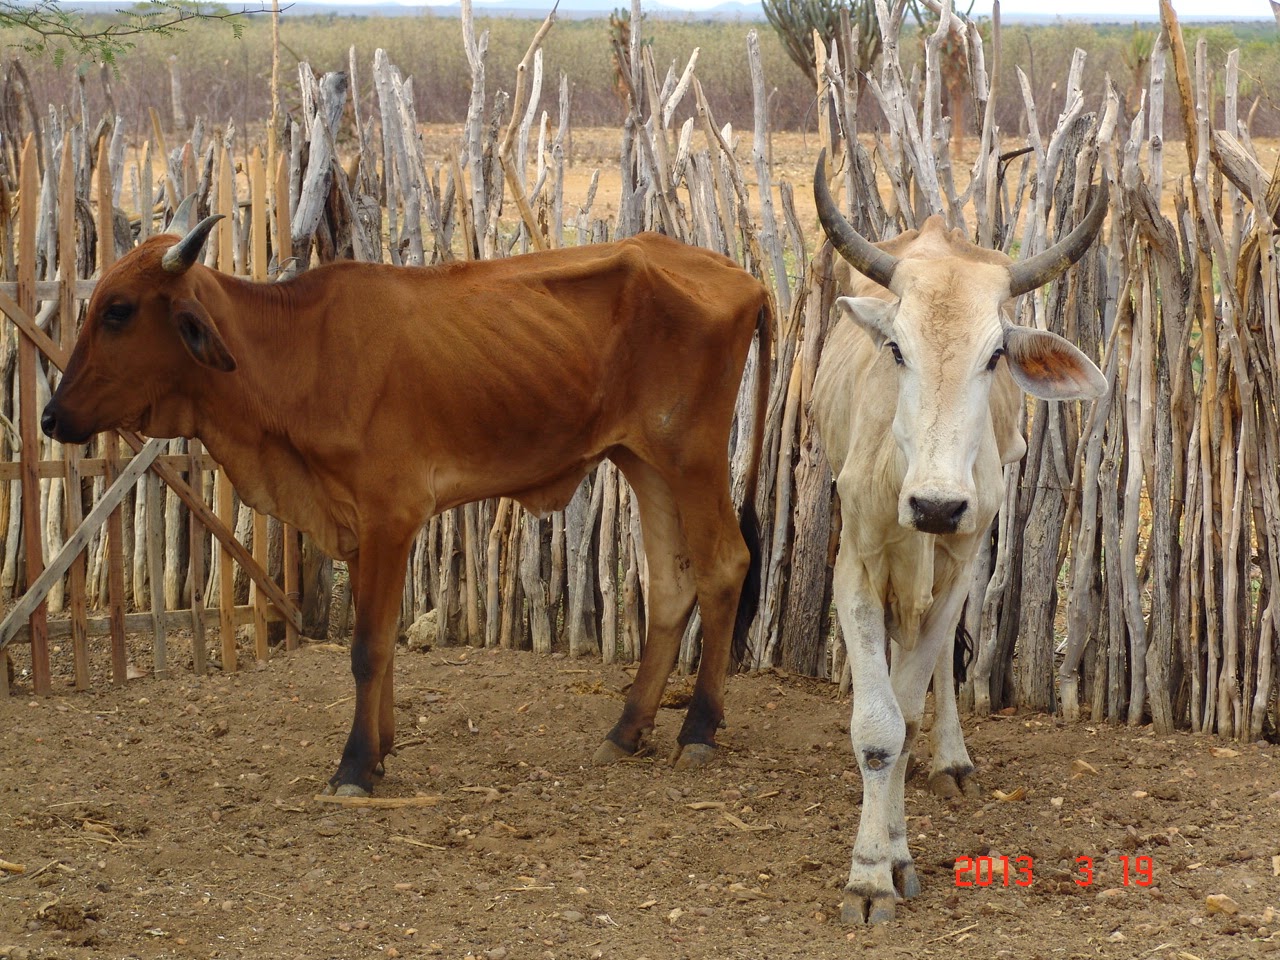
(179, 818)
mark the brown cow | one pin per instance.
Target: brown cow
(358, 400)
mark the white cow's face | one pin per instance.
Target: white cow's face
(947, 336)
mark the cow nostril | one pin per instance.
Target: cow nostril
(937, 516)
(48, 421)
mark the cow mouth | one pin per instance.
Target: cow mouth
(937, 527)
(72, 437)
(72, 434)
(69, 432)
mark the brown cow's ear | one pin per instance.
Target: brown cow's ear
(200, 335)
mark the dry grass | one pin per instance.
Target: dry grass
(793, 153)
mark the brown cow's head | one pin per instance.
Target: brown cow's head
(145, 333)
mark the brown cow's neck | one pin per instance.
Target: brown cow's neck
(244, 417)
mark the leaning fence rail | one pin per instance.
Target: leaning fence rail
(60, 474)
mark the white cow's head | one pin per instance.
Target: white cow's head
(947, 333)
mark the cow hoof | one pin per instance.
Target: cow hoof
(692, 756)
(953, 784)
(905, 880)
(858, 910)
(944, 785)
(344, 790)
(609, 752)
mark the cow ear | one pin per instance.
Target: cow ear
(200, 335)
(1049, 367)
(872, 314)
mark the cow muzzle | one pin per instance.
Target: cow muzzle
(936, 514)
(57, 426)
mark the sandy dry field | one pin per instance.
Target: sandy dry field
(178, 818)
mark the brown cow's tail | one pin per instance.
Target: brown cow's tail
(749, 521)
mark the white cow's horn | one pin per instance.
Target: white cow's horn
(1036, 271)
(865, 256)
(180, 257)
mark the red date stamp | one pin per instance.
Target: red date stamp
(1020, 871)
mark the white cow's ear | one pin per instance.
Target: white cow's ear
(1049, 367)
(872, 314)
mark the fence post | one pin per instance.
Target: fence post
(195, 559)
(111, 442)
(29, 192)
(258, 271)
(292, 559)
(222, 486)
(71, 452)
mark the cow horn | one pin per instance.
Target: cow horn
(1038, 270)
(180, 257)
(865, 256)
(181, 221)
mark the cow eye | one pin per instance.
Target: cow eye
(897, 353)
(995, 358)
(117, 315)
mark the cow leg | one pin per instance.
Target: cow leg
(885, 719)
(951, 770)
(720, 562)
(380, 582)
(387, 713)
(668, 603)
(909, 679)
(387, 719)
(878, 733)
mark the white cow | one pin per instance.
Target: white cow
(917, 403)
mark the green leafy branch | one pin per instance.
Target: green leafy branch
(46, 29)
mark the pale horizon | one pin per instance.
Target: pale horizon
(1112, 9)
(1220, 9)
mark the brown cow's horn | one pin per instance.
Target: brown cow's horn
(866, 257)
(1038, 270)
(180, 257)
(181, 221)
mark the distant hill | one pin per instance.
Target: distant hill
(568, 9)
(729, 10)
(586, 9)
(532, 9)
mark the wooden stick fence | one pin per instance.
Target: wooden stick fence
(60, 481)
(1134, 571)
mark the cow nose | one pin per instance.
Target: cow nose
(936, 515)
(48, 420)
